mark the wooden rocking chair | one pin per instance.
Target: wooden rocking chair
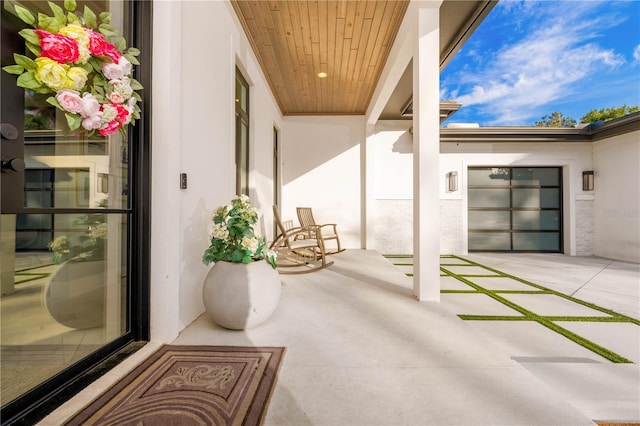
(296, 250)
(328, 231)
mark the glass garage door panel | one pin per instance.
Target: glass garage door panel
(535, 241)
(481, 219)
(489, 176)
(489, 198)
(536, 220)
(537, 198)
(515, 209)
(490, 241)
(536, 176)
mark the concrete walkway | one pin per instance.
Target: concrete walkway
(362, 351)
(595, 302)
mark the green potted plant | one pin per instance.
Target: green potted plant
(242, 288)
(233, 236)
(86, 247)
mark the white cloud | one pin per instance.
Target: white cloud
(636, 53)
(543, 67)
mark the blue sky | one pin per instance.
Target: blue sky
(530, 58)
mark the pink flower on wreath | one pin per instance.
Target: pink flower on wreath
(70, 100)
(90, 106)
(110, 128)
(99, 46)
(58, 47)
(118, 70)
(121, 117)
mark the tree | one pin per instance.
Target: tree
(556, 119)
(606, 114)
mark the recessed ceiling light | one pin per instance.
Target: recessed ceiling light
(322, 74)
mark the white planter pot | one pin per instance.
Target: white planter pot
(75, 295)
(239, 296)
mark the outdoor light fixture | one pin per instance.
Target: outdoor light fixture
(452, 181)
(587, 180)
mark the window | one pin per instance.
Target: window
(242, 134)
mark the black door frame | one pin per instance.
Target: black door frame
(41, 400)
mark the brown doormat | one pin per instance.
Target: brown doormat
(190, 385)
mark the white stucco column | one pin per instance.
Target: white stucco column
(166, 229)
(426, 152)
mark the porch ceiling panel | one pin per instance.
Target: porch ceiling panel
(348, 40)
(296, 40)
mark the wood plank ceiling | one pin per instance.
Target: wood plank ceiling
(296, 40)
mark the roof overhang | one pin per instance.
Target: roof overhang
(592, 132)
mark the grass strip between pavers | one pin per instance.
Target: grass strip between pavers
(33, 267)
(592, 346)
(557, 293)
(527, 315)
(34, 276)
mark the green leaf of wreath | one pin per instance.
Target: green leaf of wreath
(58, 12)
(44, 21)
(56, 24)
(73, 120)
(133, 51)
(136, 96)
(107, 30)
(35, 49)
(70, 5)
(105, 17)
(90, 18)
(135, 84)
(14, 69)
(86, 66)
(25, 62)
(24, 14)
(30, 36)
(96, 63)
(120, 43)
(53, 101)
(72, 18)
(99, 80)
(28, 81)
(132, 59)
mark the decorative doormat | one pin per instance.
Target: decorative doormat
(191, 385)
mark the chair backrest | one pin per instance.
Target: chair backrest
(305, 216)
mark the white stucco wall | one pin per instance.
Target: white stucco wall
(617, 197)
(391, 187)
(322, 169)
(193, 132)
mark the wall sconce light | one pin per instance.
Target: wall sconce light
(587, 180)
(452, 181)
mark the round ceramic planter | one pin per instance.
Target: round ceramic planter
(75, 295)
(239, 296)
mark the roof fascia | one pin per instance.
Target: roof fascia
(590, 133)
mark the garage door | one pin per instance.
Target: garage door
(515, 209)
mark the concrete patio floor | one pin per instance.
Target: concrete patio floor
(362, 351)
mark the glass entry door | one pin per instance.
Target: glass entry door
(515, 209)
(65, 229)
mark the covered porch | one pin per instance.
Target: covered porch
(360, 350)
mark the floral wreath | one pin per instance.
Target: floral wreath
(89, 76)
